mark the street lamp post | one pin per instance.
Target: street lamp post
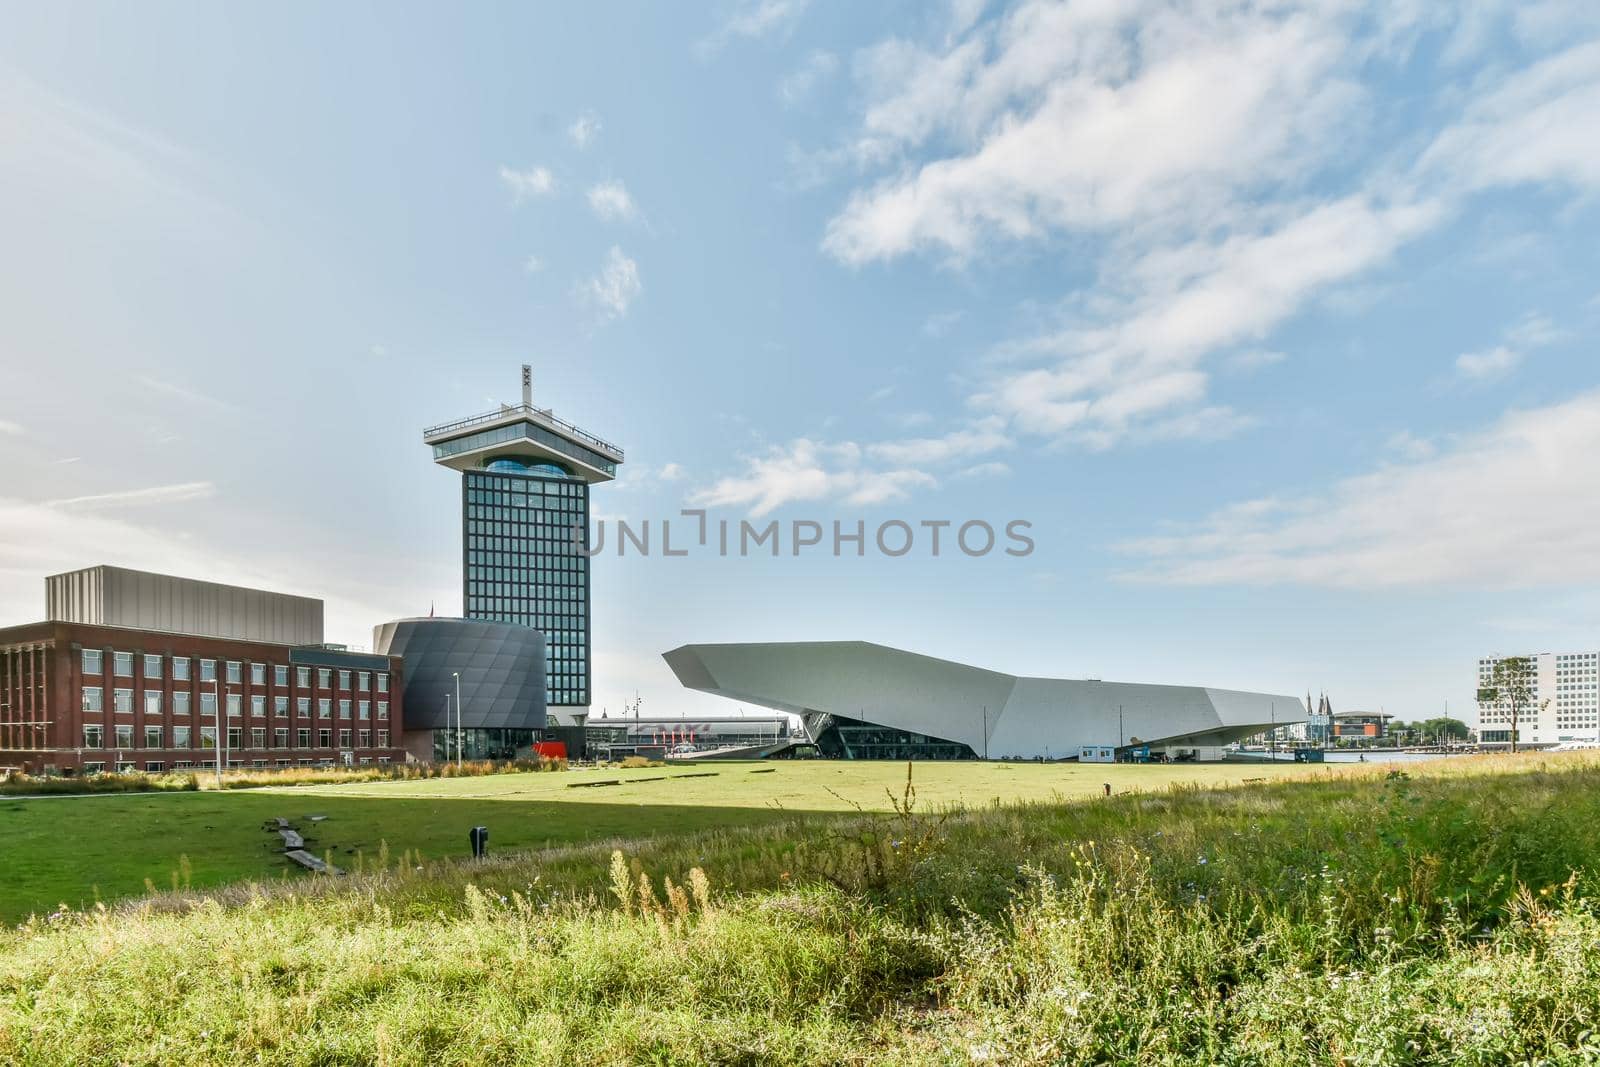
(216, 718)
(461, 733)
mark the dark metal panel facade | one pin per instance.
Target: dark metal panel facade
(501, 667)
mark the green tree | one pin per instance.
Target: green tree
(1511, 682)
(1444, 728)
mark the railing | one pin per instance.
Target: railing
(542, 415)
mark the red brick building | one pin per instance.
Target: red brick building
(80, 698)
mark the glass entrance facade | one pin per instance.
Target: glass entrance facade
(519, 565)
(845, 738)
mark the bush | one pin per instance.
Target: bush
(632, 762)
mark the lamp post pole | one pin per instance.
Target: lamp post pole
(447, 728)
(216, 718)
(461, 730)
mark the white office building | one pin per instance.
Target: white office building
(1569, 681)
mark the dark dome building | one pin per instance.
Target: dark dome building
(470, 683)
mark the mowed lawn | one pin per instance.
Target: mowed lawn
(76, 850)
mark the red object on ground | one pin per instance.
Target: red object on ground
(551, 749)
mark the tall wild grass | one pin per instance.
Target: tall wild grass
(1448, 916)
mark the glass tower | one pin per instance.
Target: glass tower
(518, 566)
(524, 518)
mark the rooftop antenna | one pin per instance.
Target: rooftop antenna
(527, 385)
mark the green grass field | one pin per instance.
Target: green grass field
(75, 850)
(1444, 914)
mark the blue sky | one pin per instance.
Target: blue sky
(1276, 320)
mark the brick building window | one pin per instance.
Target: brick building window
(122, 700)
(93, 661)
(152, 665)
(93, 698)
(122, 664)
(152, 702)
(180, 669)
(180, 737)
(302, 738)
(258, 737)
(94, 736)
(125, 736)
(152, 737)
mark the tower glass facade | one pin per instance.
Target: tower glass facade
(519, 564)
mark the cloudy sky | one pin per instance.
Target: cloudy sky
(1277, 320)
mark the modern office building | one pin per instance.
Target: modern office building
(1564, 702)
(474, 689)
(864, 701)
(85, 696)
(525, 478)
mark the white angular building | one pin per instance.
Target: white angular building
(865, 701)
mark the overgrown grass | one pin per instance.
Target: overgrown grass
(1441, 917)
(394, 772)
(17, 785)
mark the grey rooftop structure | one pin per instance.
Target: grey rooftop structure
(116, 596)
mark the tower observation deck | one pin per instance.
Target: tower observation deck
(524, 501)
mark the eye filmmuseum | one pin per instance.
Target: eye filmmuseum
(864, 701)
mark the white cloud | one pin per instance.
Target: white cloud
(614, 289)
(985, 436)
(1173, 148)
(1092, 117)
(807, 470)
(1531, 332)
(528, 184)
(1497, 509)
(818, 67)
(532, 265)
(584, 129)
(1539, 125)
(156, 494)
(1496, 362)
(1135, 368)
(993, 469)
(670, 472)
(13, 429)
(752, 20)
(610, 201)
